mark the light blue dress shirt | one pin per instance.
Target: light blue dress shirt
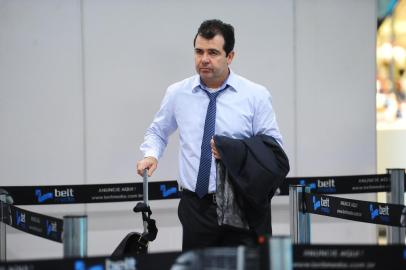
(244, 110)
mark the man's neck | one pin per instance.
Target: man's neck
(213, 85)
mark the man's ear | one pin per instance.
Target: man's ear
(230, 57)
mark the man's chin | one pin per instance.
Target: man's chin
(205, 75)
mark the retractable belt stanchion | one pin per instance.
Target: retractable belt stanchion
(74, 236)
(396, 235)
(240, 258)
(3, 256)
(281, 256)
(299, 220)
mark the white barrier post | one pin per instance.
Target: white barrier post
(3, 235)
(281, 256)
(74, 236)
(299, 220)
(396, 235)
(241, 258)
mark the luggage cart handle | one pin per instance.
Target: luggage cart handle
(145, 187)
(145, 196)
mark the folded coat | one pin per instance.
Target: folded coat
(255, 167)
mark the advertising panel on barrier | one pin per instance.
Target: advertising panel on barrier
(340, 184)
(349, 257)
(364, 211)
(158, 261)
(97, 193)
(310, 257)
(33, 223)
(160, 190)
(99, 263)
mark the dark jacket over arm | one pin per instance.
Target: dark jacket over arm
(256, 167)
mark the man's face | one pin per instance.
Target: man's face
(211, 61)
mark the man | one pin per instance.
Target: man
(215, 101)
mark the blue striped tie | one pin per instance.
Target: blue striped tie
(202, 184)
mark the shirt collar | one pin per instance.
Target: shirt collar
(231, 81)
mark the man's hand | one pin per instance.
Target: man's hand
(214, 149)
(149, 163)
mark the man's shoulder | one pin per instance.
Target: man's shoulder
(183, 85)
(250, 87)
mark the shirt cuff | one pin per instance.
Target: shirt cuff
(151, 154)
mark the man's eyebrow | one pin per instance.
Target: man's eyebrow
(209, 49)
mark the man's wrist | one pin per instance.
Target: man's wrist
(151, 157)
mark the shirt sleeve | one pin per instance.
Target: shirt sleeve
(163, 125)
(264, 121)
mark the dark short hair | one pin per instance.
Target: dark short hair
(210, 28)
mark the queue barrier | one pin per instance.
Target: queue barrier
(33, 223)
(276, 253)
(162, 190)
(71, 231)
(94, 193)
(96, 263)
(303, 202)
(273, 253)
(349, 257)
(348, 184)
(397, 196)
(75, 236)
(51, 228)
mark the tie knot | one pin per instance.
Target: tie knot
(212, 96)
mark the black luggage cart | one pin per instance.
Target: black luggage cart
(137, 243)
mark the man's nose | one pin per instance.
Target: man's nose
(205, 58)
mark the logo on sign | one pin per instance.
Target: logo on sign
(126, 264)
(167, 192)
(327, 186)
(382, 212)
(43, 197)
(20, 219)
(60, 195)
(310, 185)
(316, 203)
(80, 265)
(51, 227)
(323, 205)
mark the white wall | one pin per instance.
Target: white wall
(335, 86)
(391, 149)
(81, 80)
(335, 101)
